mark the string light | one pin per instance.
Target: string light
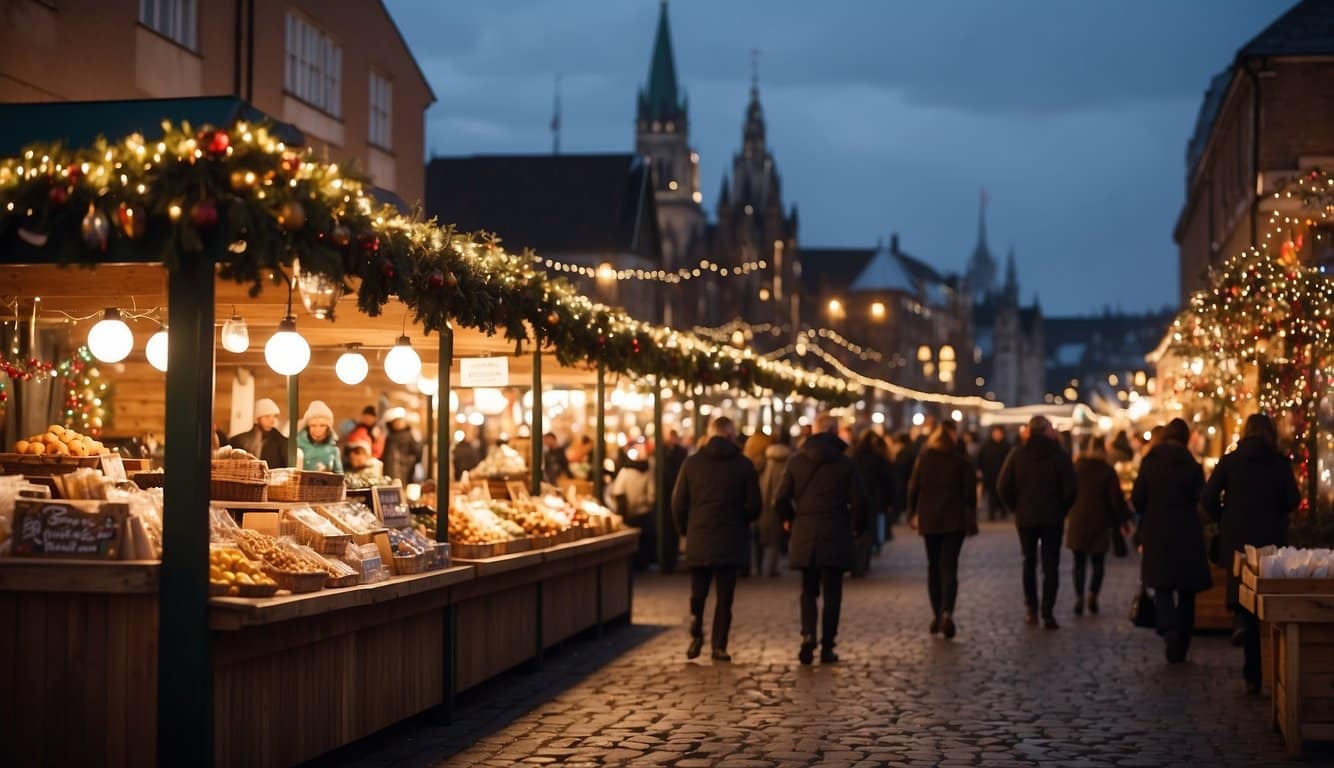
(607, 273)
(966, 401)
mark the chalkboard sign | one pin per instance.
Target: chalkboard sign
(390, 506)
(113, 467)
(68, 529)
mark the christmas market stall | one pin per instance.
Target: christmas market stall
(228, 609)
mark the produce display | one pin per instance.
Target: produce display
(278, 555)
(482, 521)
(501, 461)
(352, 516)
(474, 522)
(231, 573)
(60, 441)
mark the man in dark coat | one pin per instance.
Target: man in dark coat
(990, 459)
(1175, 566)
(263, 441)
(822, 500)
(1037, 484)
(716, 498)
(1250, 495)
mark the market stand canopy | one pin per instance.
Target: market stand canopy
(242, 198)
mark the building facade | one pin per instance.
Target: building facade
(338, 71)
(1009, 344)
(1262, 121)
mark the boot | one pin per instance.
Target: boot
(935, 625)
(827, 655)
(696, 637)
(1079, 605)
(1093, 603)
(720, 654)
(807, 653)
(947, 625)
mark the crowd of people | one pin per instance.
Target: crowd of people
(830, 501)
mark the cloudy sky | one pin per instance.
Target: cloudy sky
(883, 115)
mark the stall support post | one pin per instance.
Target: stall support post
(537, 420)
(428, 458)
(185, 666)
(600, 436)
(443, 474)
(293, 404)
(660, 478)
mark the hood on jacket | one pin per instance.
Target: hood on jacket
(1041, 446)
(720, 448)
(1255, 449)
(824, 448)
(778, 452)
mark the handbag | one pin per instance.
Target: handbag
(1142, 611)
(1119, 546)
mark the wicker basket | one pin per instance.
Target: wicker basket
(257, 590)
(338, 582)
(472, 551)
(406, 564)
(241, 469)
(225, 489)
(297, 582)
(300, 485)
(325, 544)
(30, 464)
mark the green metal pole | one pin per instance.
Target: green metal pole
(600, 437)
(537, 420)
(443, 474)
(659, 476)
(184, 653)
(293, 408)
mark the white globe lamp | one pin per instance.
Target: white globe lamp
(402, 365)
(352, 367)
(286, 351)
(110, 339)
(235, 335)
(156, 350)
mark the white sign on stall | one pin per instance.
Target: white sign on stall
(484, 372)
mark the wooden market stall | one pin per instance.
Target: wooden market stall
(287, 678)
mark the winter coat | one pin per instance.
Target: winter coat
(554, 465)
(1099, 507)
(942, 492)
(1037, 483)
(402, 451)
(990, 459)
(270, 446)
(821, 496)
(717, 497)
(771, 477)
(320, 457)
(877, 478)
(373, 434)
(1166, 498)
(635, 482)
(901, 471)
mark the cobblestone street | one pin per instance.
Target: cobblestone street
(1095, 693)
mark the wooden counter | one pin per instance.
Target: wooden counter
(293, 676)
(1301, 628)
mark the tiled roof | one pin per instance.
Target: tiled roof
(1307, 29)
(832, 268)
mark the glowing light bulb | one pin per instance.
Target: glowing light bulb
(110, 339)
(156, 350)
(286, 351)
(402, 364)
(235, 335)
(352, 367)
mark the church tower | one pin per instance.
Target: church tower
(981, 273)
(662, 138)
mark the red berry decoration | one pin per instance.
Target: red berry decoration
(387, 268)
(204, 215)
(369, 242)
(215, 142)
(59, 196)
(436, 281)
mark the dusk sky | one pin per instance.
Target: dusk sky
(882, 116)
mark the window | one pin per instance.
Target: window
(314, 66)
(382, 111)
(173, 19)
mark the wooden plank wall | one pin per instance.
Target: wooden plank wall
(569, 605)
(495, 632)
(78, 679)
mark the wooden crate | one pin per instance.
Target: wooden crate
(1302, 681)
(28, 464)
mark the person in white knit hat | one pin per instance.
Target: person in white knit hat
(316, 442)
(263, 440)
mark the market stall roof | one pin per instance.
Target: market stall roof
(80, 123)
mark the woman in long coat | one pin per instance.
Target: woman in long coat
(1175, 566)
(1250, 494)
(871, 455)
(1099, 509)
(942, 506)
(772, 536)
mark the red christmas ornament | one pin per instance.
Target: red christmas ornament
(59, 196)
(74, 172)
(204, 215)
(369, 242)
(291, 162)
(387, 268)
(215, 142)
(436, 281)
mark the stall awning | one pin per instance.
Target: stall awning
(80, 123)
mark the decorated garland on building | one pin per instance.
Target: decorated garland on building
(85, 396)
(243, 200)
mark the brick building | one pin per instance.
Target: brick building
(1263, 119)
(340, 72)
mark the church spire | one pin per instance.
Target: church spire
(1011, 289)
(981, 274)
(753, 136)
(661, 101)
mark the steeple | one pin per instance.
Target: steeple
(981, 274)
(661, 101)
(752, 143)
(1011, 290)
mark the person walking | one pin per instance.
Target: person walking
(871, 456)
(754, 448)
(772, 535)
(1166, 498)
(904, 459)
(990, 458)
(942, 504)
(402, 449)
(1251, 494)
(633, 496)
(1099, 509)
(716, 498)
(822, 501)
(315, 442)
(1037, 484)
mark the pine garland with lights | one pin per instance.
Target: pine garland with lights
(85, 396)
(240, 198)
